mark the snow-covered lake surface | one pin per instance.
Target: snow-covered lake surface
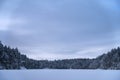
(59, 74)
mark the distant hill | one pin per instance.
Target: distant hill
(11, 58)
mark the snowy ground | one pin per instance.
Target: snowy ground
(59, 74)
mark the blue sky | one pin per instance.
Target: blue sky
(59, 29)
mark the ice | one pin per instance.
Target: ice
(46, 74)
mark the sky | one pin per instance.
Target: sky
(60, 29)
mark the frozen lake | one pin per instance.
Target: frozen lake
(59, 74)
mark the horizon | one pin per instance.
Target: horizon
(59, 59)
(60, 29)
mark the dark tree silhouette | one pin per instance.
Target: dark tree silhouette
(11, 58)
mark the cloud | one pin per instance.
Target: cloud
(7, 10)
(6, 22)
(62, 28)
(87, 53)
(110, 4)
(54, 53)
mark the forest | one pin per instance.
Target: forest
(11, 58)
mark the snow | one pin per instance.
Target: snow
(1, 67)
(22, 68)
(45, 74)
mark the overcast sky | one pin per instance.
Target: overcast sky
(59, 29)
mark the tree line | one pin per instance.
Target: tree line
(11, 58)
